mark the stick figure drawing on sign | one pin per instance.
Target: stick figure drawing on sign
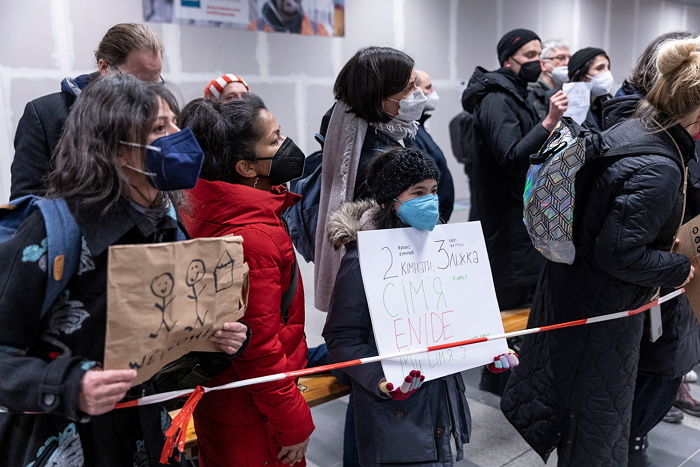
(162, 287)
(195, 273)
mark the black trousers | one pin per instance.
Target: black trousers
(653, 397)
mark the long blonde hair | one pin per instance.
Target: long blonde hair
(676, 91)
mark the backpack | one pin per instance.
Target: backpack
(63, 238)
(463, 138)
(301, 219)
(559, 180)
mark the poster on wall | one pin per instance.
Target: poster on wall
(305, 17)
(428, 288)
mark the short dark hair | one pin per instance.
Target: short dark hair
(371, 75)
(226, 131)
(645, 72)
(121, 39)
(116, 107)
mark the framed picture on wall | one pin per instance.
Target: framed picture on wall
(306, 17)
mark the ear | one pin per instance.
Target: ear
(103, 67)
(507, 63)
(245, 169)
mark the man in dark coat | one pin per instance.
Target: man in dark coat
(508, 132)
(128, 48)
(575, 387)
(446, 188)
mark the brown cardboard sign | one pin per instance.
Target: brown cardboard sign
(689, 245)
(165, 300)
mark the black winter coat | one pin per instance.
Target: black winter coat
(508, 132)
(677, 351)
(38, 132)
(574, 387)
(43, 360)
(415, 431)
(538, 94)
(446, 187)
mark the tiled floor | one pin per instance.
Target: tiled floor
(494, 441)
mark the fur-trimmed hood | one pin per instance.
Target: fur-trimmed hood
(352, 217)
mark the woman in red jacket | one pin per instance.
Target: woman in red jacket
(240, 192)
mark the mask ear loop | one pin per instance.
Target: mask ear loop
(256, 182)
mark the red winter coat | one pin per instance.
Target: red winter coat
(251, 424)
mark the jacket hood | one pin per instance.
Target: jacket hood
(217, 204)
(483, 82)
(619, 108)
(349, 219)
(74, 86)
(632, 132)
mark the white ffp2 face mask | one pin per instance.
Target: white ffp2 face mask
(560, 74)
(411, 107)
(601, 84)
(432, 101)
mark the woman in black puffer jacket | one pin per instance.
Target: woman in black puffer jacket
(575, 387)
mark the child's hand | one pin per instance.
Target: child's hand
(504, 362)
(412, 382)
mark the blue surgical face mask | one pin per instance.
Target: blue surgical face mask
(173, 162)
(422, 212)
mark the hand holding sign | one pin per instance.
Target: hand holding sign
(411, 383)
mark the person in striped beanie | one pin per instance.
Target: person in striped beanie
(226, 87)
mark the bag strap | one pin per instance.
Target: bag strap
(291, 291)
(64, 245)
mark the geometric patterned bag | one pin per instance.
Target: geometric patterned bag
(550, 189)
(555, 183)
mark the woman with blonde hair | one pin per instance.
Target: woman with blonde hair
(575, 387)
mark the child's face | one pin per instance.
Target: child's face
(426, 187)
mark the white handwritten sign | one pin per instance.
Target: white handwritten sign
(428, 288)
(579, 96)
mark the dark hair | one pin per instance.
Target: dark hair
(122, 39)
(226, 131)
(645, 71)
(583, 71)
(371, 75)
(113, 108)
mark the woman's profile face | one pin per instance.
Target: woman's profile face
(390, 104)
(165, 124)
(425, 187)
(598, 66)
(270, 140)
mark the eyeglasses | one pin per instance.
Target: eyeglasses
(558, 58)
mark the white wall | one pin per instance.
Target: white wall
(294, 74)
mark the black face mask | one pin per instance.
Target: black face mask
(529, 71)
(287, 163)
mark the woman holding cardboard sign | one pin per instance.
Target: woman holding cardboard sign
(397, 422)
(51, 361)
(240, 192)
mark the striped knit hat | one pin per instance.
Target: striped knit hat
(216, 86)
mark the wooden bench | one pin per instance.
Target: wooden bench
(317, 389)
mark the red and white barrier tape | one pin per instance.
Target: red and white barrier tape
(156, 398)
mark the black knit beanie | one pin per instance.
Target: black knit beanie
(512, 41)
(397, 170)
(581, 57)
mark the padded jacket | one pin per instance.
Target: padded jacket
(508, 132)
(574, 387)
(277, 343)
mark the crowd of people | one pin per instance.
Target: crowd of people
(111, 144)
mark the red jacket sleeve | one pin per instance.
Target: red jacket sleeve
(280, 402)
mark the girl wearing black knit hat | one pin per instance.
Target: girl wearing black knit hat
(592, 65)
(391, 429)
